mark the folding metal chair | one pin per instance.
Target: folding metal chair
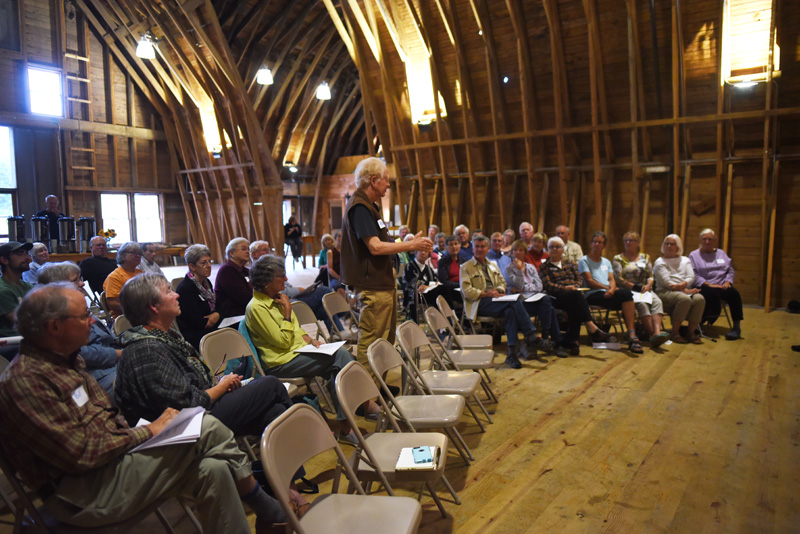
(466, 341)
(335, 304)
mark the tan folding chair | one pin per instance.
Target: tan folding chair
(467, 341)
(306, 317)
(300, 434)
(420, 410)
(175, 282)
(476, 359)
(335, 304)
(375, 457)
(30, 517)
(439, 381)
(121, 324)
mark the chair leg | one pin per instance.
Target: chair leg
(191, 516)
(447, 485)
(490, 396)
(436, 499)
(460, 445)
(164, 522)
(475, 416)
(483, 408)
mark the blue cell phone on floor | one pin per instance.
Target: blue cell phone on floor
(422, 455)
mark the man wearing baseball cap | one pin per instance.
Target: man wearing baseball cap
(14, 260)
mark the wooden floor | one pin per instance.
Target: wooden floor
(685, 439)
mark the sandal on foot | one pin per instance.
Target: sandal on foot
(634, 345)
(659, 339)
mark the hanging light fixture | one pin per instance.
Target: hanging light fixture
(291, 166)
(323, 91)
(145, 48)
(264, 76)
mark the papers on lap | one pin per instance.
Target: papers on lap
(184, 428)
(647, 298)
(506, 298)
(406, 461)
(327, 348)
(231, 320)
(534, 298)
(432, 286)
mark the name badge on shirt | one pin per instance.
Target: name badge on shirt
(604, 267)
(720, 261)
(80, 396)
(381, 224)
(641, 264)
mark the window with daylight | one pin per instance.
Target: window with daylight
(116, 215)
(8, 179)
(147, 212)
(746, 43)
(44, 89)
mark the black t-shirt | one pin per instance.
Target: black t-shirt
(362, 223)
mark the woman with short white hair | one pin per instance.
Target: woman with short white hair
(232, 287)
(675, 286)
(39, 256)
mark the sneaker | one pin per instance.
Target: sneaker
(348, 439)
(511, 360)
(561, 352)
(599, 336)
(733, 335)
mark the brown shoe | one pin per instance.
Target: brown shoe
(263, 527)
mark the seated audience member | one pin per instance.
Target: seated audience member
(148, 264)
(60, 431)
(293, 236)
(129, 256)
(160, 369)
(508, 239)
(402, 232)
(572, 250)
(433, 231)
(258, 249)
(231, 285)
(14, 261)
(714, 274)
(100, 355)
(524, 278)
(633, 270)
(198, 302)
(406, 256)
(419, 276)
(462, 234)
(328, 244)
(96, 268)
(561, 279)
(598, 274)
(449, 271)
(481, 282)
(536, 253)
(39, 256)
(526, 233)
(496, 254)
(675, 286)
(440, 243)
(277, 336)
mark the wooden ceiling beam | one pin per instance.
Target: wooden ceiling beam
(340, 28)
(595, 61)
(633, 96)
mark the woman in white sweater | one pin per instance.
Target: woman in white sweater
(674, 285)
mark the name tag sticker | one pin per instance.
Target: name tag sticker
(381, 224)
(641, 264)
(604, 267)
(80, 396)
(720, 261)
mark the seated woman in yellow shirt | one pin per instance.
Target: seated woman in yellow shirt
(277, 336)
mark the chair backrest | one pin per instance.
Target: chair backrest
(334, 304)
(305, 316)
(226, 344)
(412, 339)
(437, 323)
(354, 386)
(297, 435)
(383, 357)
(121, 324)
(175, 282)
(104, 302)
(449, 314)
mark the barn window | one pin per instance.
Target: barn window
(746, 43)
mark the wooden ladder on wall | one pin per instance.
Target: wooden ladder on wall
(81, 155)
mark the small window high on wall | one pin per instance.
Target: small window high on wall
(44, 89)
(146, 224)
(147, 211)
(746, 43)
(116, 216)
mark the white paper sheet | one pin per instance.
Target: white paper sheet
(231, 320)
(535, 298)
(506, 298)
(184, 428)
(327, 348)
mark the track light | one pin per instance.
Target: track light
(264, 76)
(323, 91)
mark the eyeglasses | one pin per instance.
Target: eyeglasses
(554, 246)
(82, 317)
(204, 263)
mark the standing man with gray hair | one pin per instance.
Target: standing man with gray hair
(52, 213)
(367, 252)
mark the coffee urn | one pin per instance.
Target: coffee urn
(16, 228)
(41, 232)
(86, 231)
(66, 229)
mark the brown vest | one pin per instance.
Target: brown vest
(360, 268)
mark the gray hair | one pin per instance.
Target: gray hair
(232, 244)
(265, 270)
(255, 244)
(441, 235)
(557, 240)
(702, 233)
(95, 238)
(37, 248)
(521, 226)
(131, 247)
(678, 242)
(195, 252)
(366, 169)
(57, 272)
(480, 238)
(138, 294)
(42, 304)
(460, 227)
(434, 226)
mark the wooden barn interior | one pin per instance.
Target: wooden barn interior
(660, 116)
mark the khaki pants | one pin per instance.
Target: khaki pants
(378, 319)
(682, 307)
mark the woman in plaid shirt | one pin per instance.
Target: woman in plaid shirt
(561, 279)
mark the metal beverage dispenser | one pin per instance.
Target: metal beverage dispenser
(66, 229)
(16, 228)
(41, 232)
(86, 231)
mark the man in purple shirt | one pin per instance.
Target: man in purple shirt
(714, 276)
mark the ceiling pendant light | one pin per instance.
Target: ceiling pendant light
(145, 48)
(264, 76)
(323, 91)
